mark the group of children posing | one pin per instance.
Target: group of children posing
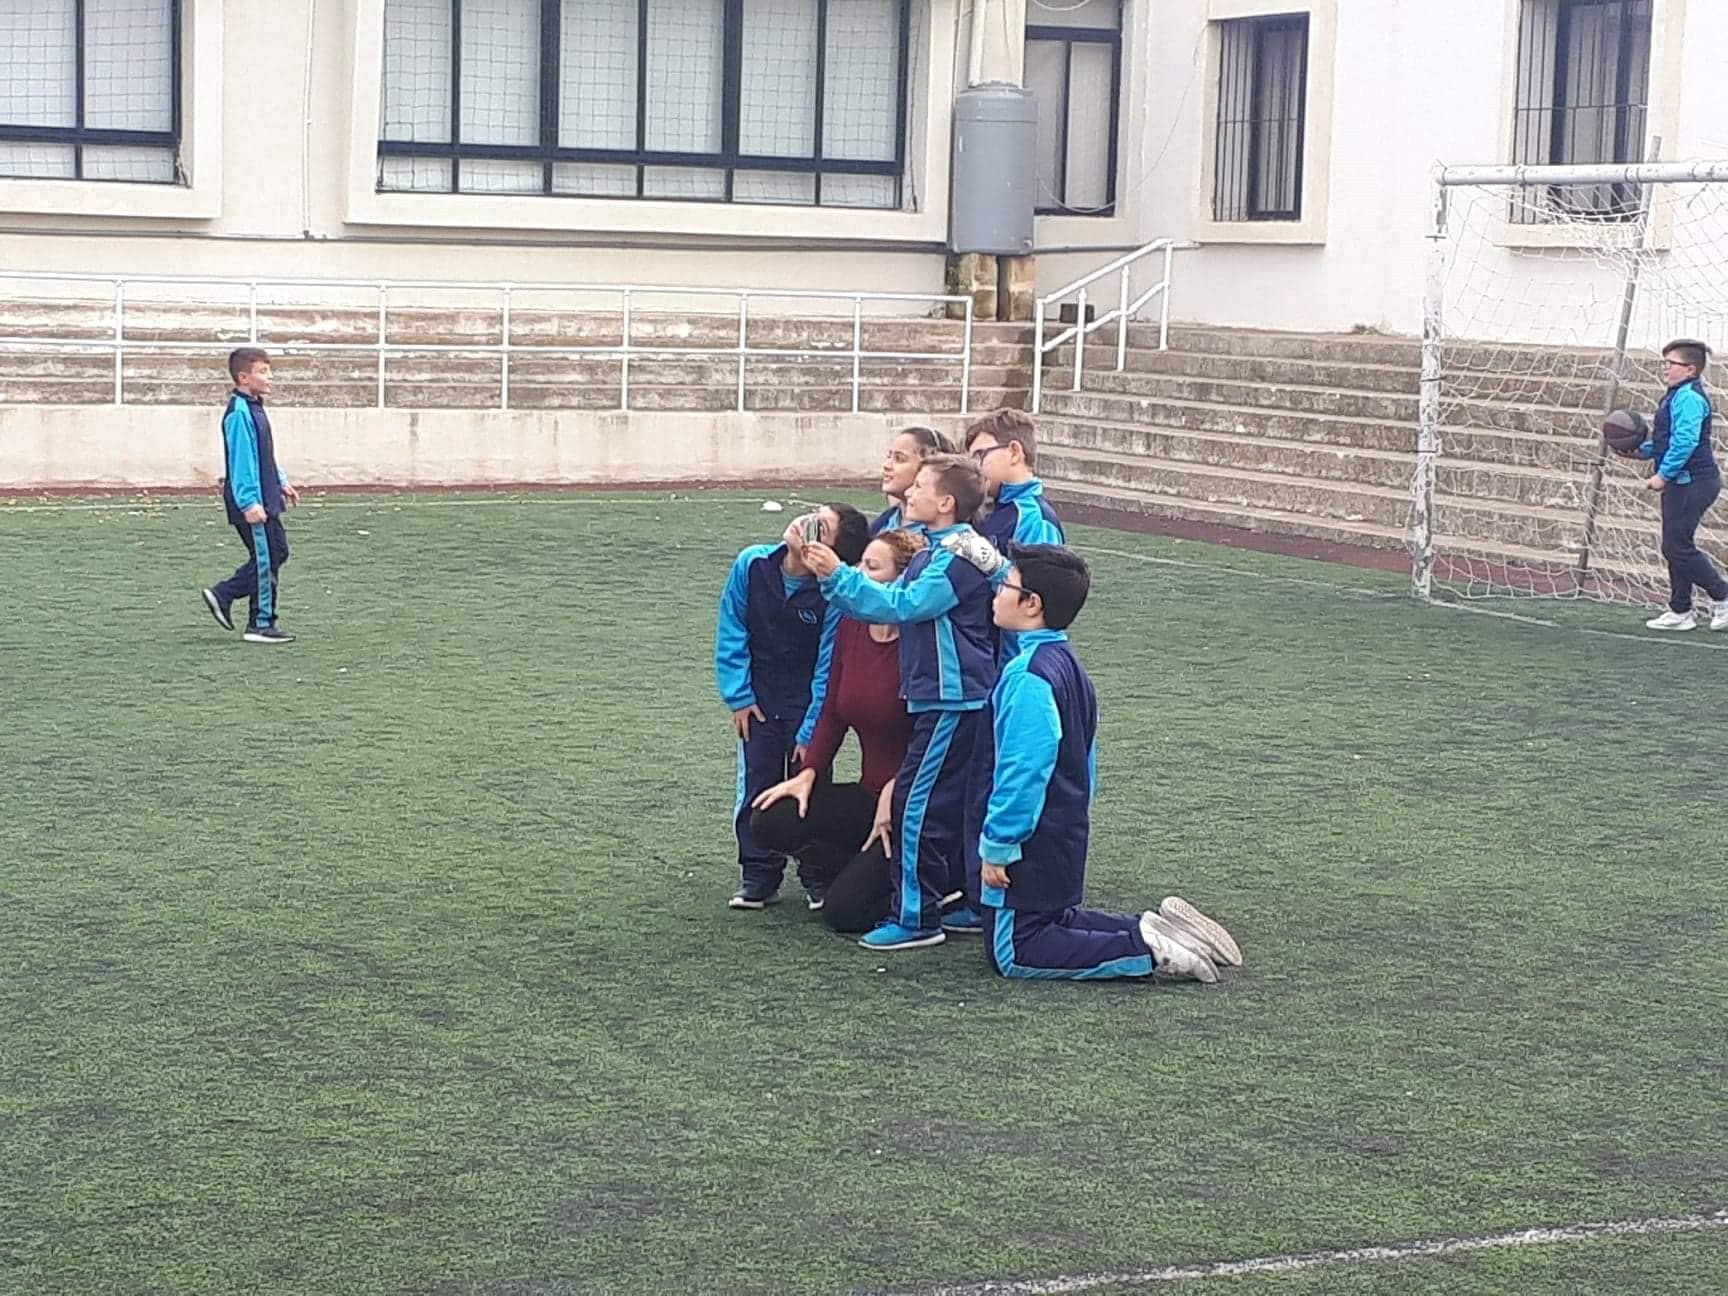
(943, 646)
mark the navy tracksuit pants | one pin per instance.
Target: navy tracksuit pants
(258, 577)
(930, 816)
(763, 760)
(1683, 508)
(1065, 944)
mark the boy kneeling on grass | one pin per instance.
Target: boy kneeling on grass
(1034, 770)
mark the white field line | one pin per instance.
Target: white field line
(1297, 1263)
(1679, 639)
(389, 502)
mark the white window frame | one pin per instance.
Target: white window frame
(1316, 125)
(1667, 65)
(930, 55)
(200, 198)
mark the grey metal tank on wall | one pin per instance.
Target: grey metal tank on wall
(995, 172)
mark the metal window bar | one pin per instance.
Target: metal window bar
(1126, 308)
(1260, 133)
(729, 160)
(79, 136)
(382, 348)
(1582, 99)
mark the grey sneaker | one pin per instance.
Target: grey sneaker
(1205, 934)
(1171, 954)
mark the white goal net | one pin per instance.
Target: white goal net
(1551, 292)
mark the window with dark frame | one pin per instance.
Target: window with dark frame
(764, 101)
(1074, 68)
(1583, 98)
(90, 90)
(1262, 95)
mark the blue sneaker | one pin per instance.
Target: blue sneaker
(892, 936)
(963, 920)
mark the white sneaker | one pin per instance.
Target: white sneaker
(1674, 621)
(1202, 933)
(1170, 954)
(1719, 615)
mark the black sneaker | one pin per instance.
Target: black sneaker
(754, 897)
(267, 635)
(218, 609)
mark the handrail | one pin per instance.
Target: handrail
(1124, 311)
(508, 304)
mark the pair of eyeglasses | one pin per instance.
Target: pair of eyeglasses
(979, 456)
(1019, 590)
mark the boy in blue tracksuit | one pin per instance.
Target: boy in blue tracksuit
(1689, 479)
(255, 492)
(772, 646)
(947, 668)
(1035, 768)
(1004, 446)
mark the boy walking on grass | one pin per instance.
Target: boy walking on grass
(255, 492)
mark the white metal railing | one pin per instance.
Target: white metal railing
(1121, 314)
(627, 296)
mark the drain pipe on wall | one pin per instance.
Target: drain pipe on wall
(306, 123)
(975, 59)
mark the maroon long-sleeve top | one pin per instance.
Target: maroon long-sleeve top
(863, 696)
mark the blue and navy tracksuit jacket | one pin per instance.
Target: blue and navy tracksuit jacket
(774, 641)
(889, 519)
(1038, 758)
(250, 473)
(942, 603)
(1022, 516)
(1680, 435)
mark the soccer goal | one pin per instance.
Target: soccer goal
(1550, 293)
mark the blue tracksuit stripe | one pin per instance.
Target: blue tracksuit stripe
(266, 597)
(240, 438)
(929, 595)
(819, 680)
(1687, 410)
(912, 818)
(732, 633)
(1002, 940)
(1028, 732)
(948, 681)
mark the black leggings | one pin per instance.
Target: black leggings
(826, 841)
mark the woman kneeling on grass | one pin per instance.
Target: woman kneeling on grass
(840, 831)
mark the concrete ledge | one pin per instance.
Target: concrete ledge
(47, 448)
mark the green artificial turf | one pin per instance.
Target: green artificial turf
(397, 960)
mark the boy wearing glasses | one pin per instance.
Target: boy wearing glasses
(1034, 769)
(1689, 481)
(1004, 446)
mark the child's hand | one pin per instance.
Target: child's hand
(741, 720)
(883, 828)
(290, 496)
(1656, 482)
(821, 560)
(994, 875)
(255, 514)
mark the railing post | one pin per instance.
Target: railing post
(1038, 356)
(966, 363)
(252, 312)
(1079, 340)
(1122, 323)
(383, 335)
(119, 341)
(857, 347)
(504, 355)
(624, 357)
(743, 342)
(1164, 303)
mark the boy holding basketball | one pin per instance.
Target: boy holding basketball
(1689, 481)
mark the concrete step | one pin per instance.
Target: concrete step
(1329, 402)
(1270, 521)
(1476, 445)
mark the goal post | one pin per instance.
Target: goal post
(1549, 292)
